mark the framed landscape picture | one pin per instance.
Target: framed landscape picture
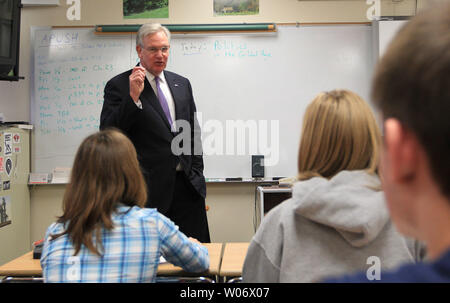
(143, 9)
(236, 7)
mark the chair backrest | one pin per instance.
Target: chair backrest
(158, 280)
(235, 280)
(22, 280)
(184, 280)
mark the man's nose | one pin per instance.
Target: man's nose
(159, 54)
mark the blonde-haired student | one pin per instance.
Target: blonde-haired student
(336, 219)
(105, 234)
(412, 89)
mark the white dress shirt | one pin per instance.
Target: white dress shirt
(165, 90)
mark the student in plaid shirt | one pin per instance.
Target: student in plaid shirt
(105, 234)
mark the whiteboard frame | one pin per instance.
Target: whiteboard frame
(265, 34)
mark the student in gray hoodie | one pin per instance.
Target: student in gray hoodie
(336, 221)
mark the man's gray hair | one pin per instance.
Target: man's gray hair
(150, 29)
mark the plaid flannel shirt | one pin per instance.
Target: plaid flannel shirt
(130, 253)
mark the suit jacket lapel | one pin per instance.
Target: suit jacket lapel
(151, 98)
(177, 90)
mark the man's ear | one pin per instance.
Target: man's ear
(138, 50)
(401, 149)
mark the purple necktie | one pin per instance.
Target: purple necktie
(163, 102)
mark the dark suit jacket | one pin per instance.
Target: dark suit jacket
(150, 133)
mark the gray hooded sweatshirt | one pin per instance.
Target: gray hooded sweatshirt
(328, 227)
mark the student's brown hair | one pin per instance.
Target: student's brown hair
(412, 84)
(105, 172)
(339, 133)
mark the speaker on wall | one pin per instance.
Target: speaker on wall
(257, 166)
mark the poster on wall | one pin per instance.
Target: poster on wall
(143, 9)
(236, 7)
(5, 211)
(8, 144)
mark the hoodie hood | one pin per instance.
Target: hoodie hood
(351, 202)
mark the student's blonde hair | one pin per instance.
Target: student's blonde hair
(105, 173)
(339, 133)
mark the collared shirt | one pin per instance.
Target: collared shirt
(130, 251)
(166, 91)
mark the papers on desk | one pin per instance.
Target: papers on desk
(38, 178)
(61, 175)
(162, 260)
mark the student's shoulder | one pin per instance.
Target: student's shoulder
(287, 207)
(128, 213)
(409, 273)
(143, 212)
(55, 228)
(152, 215)
(278, 215)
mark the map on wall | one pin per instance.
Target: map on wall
(236, 7)
(143, 9)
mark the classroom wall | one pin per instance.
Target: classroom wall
(230, 214)
(231, 205)
(15, 96)
(15, 237)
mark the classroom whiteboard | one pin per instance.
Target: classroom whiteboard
(251, 90)
(386, 30)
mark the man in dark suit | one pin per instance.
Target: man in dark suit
(152, 107)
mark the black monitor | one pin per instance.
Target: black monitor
(9, 39)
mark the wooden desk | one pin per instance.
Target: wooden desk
(22, 266)
(27, 266)
(233, 259)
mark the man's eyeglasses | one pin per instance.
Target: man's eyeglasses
(154, 50)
